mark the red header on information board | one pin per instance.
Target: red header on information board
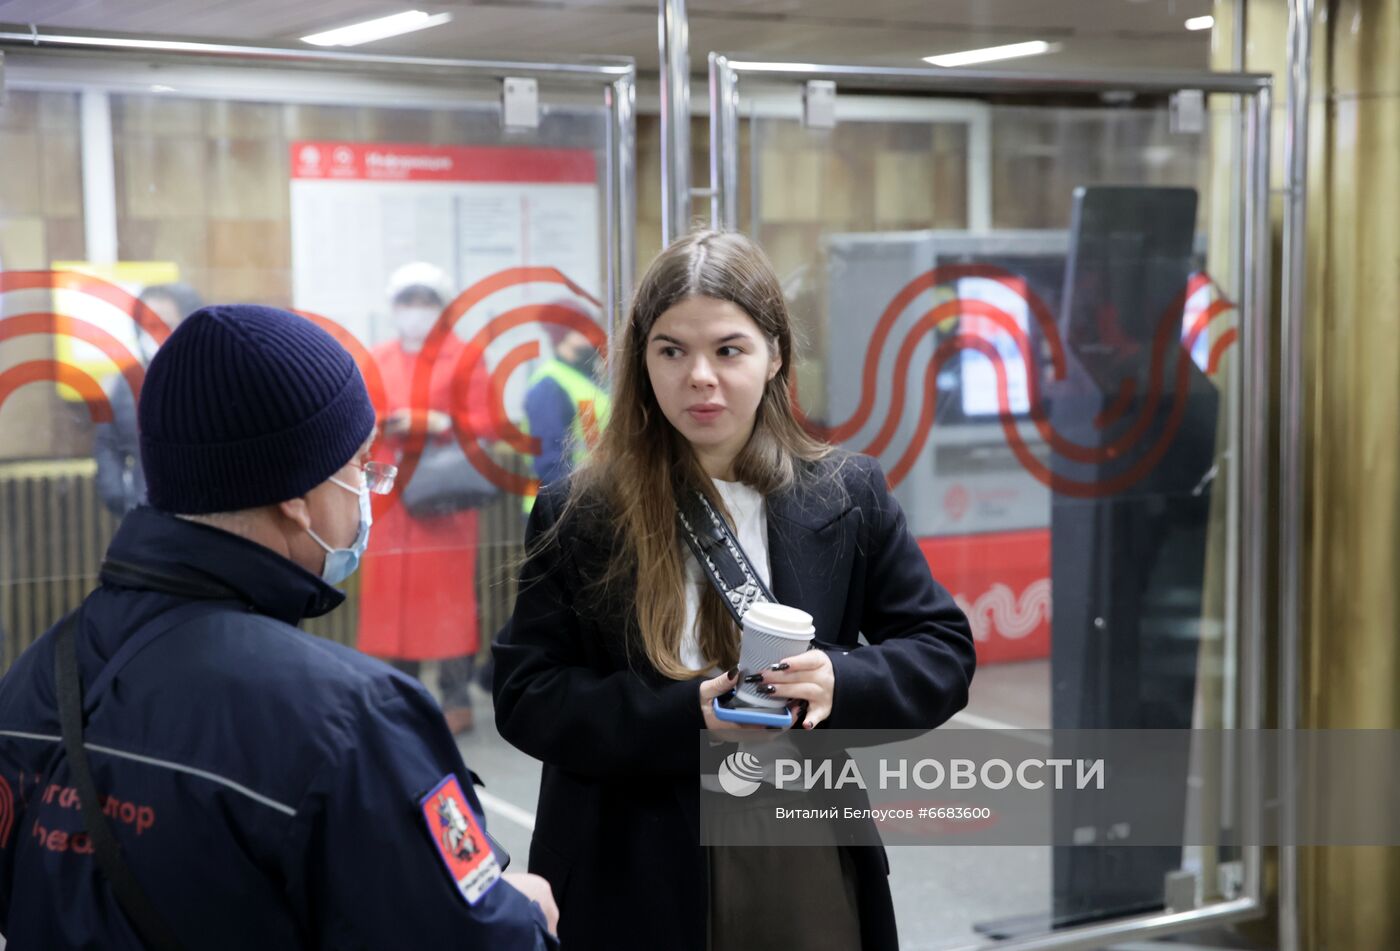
(397, 162)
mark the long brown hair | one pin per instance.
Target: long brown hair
(641, 462)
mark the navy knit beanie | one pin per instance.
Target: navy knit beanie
(246, 406)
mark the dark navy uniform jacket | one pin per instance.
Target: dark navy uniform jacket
(264, 784)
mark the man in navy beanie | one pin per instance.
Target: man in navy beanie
(180, 766)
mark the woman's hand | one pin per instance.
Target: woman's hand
(718, 687)
(807, 677)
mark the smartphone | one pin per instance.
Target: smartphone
(780, 718)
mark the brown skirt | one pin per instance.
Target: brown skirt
(793, 898)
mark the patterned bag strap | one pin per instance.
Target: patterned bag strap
(720, 554)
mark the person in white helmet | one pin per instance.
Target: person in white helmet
(418, 599)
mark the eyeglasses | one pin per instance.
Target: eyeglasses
(379, 477)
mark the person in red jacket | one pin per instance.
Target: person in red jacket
(418, 596)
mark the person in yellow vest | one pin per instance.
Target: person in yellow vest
(557, 391)
(563, 403)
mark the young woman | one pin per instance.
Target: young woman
(618, 642)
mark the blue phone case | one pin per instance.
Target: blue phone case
(753, 715)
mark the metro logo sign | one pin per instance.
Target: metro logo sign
(396, 162)
(1001, 580)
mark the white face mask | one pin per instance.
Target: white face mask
(413, 324)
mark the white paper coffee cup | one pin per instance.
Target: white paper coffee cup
(771, 632)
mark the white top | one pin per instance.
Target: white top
(750, 514)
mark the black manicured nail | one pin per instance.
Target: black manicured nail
(782, 666)
(768, 688)
(753, 679)
(733, 672)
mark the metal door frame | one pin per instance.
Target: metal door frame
(1252, 262)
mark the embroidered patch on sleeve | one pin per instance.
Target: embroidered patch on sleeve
(460, 839)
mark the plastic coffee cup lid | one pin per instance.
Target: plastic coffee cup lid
(780, 619)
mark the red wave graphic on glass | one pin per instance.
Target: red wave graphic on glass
(1164, 339)
(471, 379)
(62, 325)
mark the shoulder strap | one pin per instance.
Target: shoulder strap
(720, 554)
(154, 932)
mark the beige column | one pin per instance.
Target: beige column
(1351, 663)
(1351, 593)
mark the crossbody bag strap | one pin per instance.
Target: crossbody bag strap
(720, 555)
(151, 927)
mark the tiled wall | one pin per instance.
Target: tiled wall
(204, 183)
(41, 220)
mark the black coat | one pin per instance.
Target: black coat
(616, 832)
